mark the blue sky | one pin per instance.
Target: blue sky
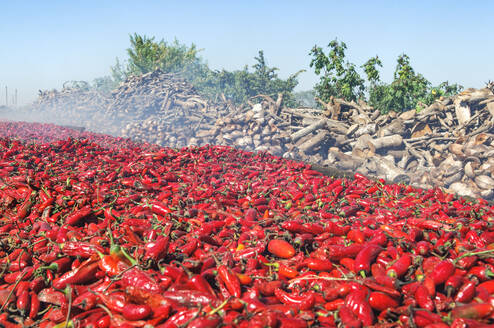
(44, 43)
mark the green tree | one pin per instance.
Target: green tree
(241, 85)
(404, 93)
(146, 55)
(339, 77)
(407, 90)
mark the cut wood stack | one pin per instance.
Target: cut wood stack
(449, 144)
(75, 105)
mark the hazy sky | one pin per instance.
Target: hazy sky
(44, 43)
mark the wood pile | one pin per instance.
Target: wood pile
(75, 104)
(158, 93)
(449, 144)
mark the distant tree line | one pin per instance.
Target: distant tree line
(338, 77)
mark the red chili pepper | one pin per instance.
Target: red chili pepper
(473, 311)
(267, 288)
(372, 284)
(160, 208)
(482, 272)
(180, 318)
(348, 319)
(230, 280)
(37, 284)
(23, 275)
(303, 302)
(335, 304)
(35, 305)
(423, 248)
(316, 264)
(381, 301)
(466, 293)
(453, 283)
(424, 318)
(136, 312)
(423, 298)
(357, 302)
(338, 252)
(199, 283)
(85, 301)
(356, 236)
(400, 267)
(80, 248)
(487, 285)
(52, 296)
(365, 257)
(157, 249)
(281, 248)
(205, 322)
(137, 278)
(84, 273)
(76, 217)
(23, 301)
(115, 301)
(442, 271)
(113, 264)
(190, 297)
(23, 209)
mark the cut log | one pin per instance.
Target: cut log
(462, 111)
(308, 146)
(391, 171)
(305, 131)
(393, 141)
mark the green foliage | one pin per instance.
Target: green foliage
(241, 85)
(146, 55)
(339, 78)
(407, 90)
(371, 71)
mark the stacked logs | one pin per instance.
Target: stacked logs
(75, 104)
(447, 144)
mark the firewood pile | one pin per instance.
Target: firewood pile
(150, 106)
(158, 93)
(75, 104)
(449, 144)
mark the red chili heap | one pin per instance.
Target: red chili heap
(103, 232)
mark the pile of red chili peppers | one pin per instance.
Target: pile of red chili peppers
(102, 232)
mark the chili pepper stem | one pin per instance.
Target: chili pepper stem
(116, 278)
(107, 310)
(128, 257)
(69, 291)
(221, 306)
(489, 251)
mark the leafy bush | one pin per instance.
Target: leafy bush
(242, 85)
(340, 79)
(408, 89)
